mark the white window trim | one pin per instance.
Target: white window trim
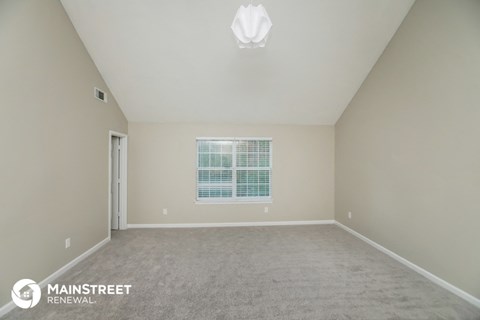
(234, 199)
(230, 201)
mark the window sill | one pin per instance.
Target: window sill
(267, 201)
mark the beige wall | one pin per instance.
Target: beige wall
(162, 171)
(408, 146)
(53, 142)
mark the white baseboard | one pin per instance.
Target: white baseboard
(10, 305)
(72, 263)
(7, 308)
(442, 283)
(230, 224)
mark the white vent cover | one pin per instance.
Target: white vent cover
(100, 95)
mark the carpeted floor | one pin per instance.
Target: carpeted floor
(294, 272)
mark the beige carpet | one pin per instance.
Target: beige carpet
(295, 272)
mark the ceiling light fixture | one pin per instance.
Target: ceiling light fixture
(251, 26)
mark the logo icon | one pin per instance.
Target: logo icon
(26, 298)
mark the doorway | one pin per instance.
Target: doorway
(117, 182)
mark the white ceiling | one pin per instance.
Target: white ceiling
(177, 60)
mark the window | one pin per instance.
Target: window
(234, 169)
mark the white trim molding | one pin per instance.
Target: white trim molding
(430, 276)
(7, 308)
(234, 138)
(230, 224)
(10, 305)
(251, 201)
(123, 186)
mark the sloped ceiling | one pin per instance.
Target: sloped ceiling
(177, 61)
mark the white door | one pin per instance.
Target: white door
(116, 180)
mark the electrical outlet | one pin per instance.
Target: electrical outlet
(265, 209)
(67, 243)
(349, 215)
(165, 211)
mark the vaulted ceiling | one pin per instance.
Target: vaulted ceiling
(177, 61)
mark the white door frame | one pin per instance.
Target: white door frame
(123, 186)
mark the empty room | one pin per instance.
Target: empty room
(224, 160)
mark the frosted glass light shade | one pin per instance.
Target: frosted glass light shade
(251, 26)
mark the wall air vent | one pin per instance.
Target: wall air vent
(100, 95)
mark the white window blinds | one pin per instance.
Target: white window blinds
(234, 169)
